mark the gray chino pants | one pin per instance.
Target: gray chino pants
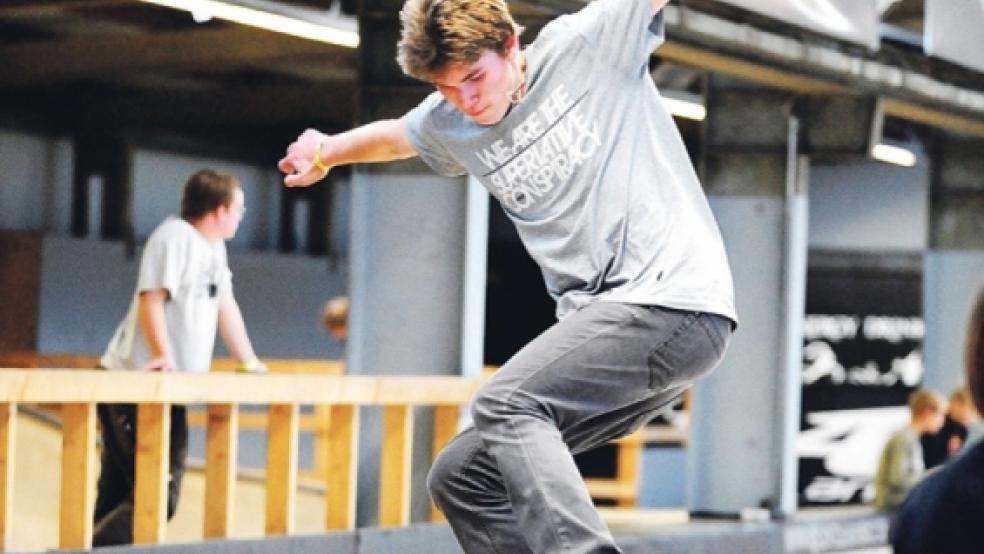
(509, 485)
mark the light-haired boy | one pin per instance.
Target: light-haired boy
(901, 463)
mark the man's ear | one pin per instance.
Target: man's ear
(512, 45)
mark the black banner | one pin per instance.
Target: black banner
(862, 356)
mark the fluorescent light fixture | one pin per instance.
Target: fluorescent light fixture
(307, 28)
(687, 108)
(893, 155)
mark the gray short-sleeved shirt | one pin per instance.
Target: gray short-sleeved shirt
(591, 168)
(195, 272)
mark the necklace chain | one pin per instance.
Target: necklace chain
(519, 92)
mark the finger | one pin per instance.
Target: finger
(306, 178)
(295, 180)
(286, 165)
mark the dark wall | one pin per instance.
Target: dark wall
(20, 286)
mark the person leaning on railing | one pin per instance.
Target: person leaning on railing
(183, 294)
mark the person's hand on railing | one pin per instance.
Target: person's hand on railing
(252, 366)
(161, 363)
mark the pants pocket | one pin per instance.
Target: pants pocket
(692, 351)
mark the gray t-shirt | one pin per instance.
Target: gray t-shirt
(195, 272)
(590, 167)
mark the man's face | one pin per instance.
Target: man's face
(231, 215)
(481, 89)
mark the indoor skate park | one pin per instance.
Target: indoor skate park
(839, 145)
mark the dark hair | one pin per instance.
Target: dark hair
(974, 352)
(205, 191)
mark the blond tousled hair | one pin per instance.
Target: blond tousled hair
(925, 400)
(435, 33)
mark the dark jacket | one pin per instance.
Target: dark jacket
(944, 513)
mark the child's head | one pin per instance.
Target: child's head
(960, 407)
(927, 409)
(334, 316)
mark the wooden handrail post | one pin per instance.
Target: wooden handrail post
(152, 473)
(78, 474)
(220, 469)
(8, 451)
(445, 428)
(281, 468)
(394, 473)
(341, 453)
(321, 420)
(627, 462)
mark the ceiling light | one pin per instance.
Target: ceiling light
(685, 108)
(893, 155)
(308, 27)
(201, 16)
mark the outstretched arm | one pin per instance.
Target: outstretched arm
(380, 141)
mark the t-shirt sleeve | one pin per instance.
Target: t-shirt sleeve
(161, 265)
(422, 133)
(623, 31)
(225, 274)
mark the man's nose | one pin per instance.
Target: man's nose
(469, 93)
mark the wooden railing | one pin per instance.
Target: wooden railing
(78, 391)
(290, 385)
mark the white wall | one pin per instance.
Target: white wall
(35, 182)
(87, 286)
(159, 176)
(869, 205)
(952, 279)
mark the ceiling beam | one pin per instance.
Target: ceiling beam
(34, 9)
(223, 107)
(772, 59)
(173, 51)
(708, 42)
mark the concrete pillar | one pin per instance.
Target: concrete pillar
(110, 158)
(746, 414)
(954, 262)
(408, 255)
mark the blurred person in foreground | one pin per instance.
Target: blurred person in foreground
(944, 514)
(183, 294)
(900, 465)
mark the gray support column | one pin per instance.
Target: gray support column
(476, 264)
(407, 253)
(746, 414)
(954, 262)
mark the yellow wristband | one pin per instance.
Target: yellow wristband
(318, 163)
(248, 366)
